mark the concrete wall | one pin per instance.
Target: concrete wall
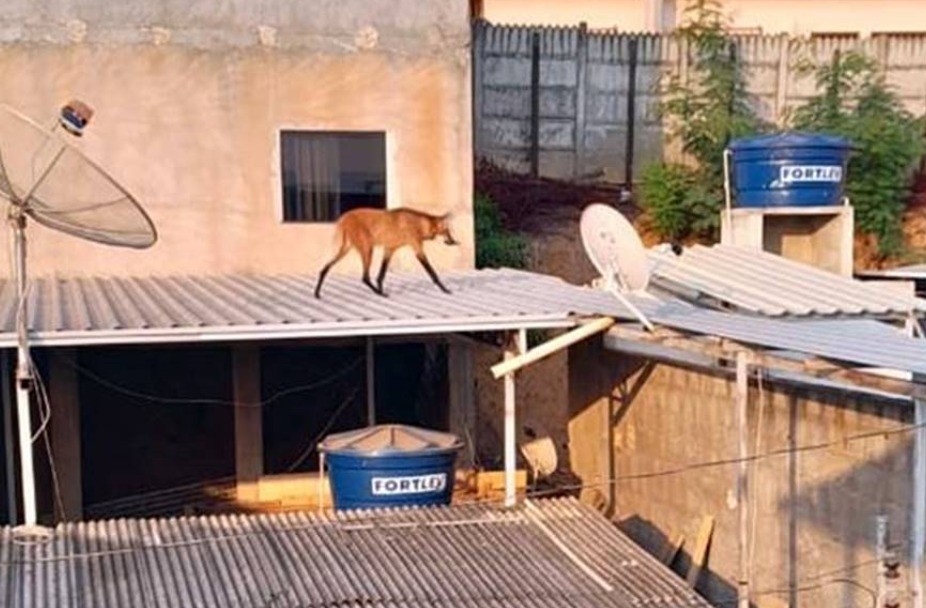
(815, 510)
(190, 97)
(798, 17)
(584, 87)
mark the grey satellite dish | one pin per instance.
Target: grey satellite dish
(615, 249)
(44, 178)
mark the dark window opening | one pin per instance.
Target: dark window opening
(326, 174)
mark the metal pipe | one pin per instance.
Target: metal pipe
(727, 197)
(23, 372)
(742, 499)
(919, 504)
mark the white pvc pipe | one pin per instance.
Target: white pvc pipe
(511, 453)
(23, 377)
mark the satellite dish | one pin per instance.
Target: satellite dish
(615, 249)
(52, 182)
(44, 178)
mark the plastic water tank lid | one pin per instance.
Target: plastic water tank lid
(790, 139)
(390, 440)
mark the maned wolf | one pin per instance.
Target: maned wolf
(364, 229)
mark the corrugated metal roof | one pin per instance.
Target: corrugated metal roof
(861, 342)
(550, 553)
(113, 310)
(764, 283)
(913, 271)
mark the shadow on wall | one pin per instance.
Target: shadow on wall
(842, 511)
(656, 543)
(815, 499)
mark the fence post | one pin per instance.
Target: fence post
(781, 91)
(535, 104)
(581, 84)
(631, 111)
(479, 30)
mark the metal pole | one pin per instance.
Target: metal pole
(371, 382)
(535, 104)
(742, 398)
(23, 373)
(919, 505)
(12, 506)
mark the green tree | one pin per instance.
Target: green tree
(706, 111)
(855, 102)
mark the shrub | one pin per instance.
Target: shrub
(855, 102)
(496, 246)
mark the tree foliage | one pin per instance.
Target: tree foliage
(706, 110)
(854, 101)
(496, 246)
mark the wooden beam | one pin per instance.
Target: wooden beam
(699, 556)
(514, 363)
(65, 430)
(671, 549)
(249, 434)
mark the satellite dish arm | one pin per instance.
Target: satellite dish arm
(620, 295)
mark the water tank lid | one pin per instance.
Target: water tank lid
(790, 139)
(390, 440)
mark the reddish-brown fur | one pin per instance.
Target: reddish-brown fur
(364, 229)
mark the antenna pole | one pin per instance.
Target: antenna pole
(23, 368)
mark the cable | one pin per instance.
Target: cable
(729, 461)
(314, 443)
(177, 401)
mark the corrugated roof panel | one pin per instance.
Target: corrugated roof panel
(859, 342)
(768, 284)
(553, 553)
(85, 310)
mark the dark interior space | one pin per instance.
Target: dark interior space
(308, 391)
(411, 388)
(154, 418)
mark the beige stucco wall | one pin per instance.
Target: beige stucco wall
(814, 510)
(798, 17)
(189, 101)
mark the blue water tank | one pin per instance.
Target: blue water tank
(391, 465)
(789, 170)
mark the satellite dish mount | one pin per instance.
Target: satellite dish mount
(615, 249)
(44, 178)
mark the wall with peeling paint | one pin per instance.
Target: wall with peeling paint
(189, 98)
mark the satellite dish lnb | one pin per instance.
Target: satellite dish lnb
(75, 115)
(615, 249)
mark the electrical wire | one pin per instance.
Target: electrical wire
(207, 401)
(314, 443)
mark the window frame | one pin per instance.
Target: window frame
(276, 168)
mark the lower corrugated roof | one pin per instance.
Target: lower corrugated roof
(554, 552)
(78, 311)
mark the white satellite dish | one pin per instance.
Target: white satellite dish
(615, 249)
(44, 178)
